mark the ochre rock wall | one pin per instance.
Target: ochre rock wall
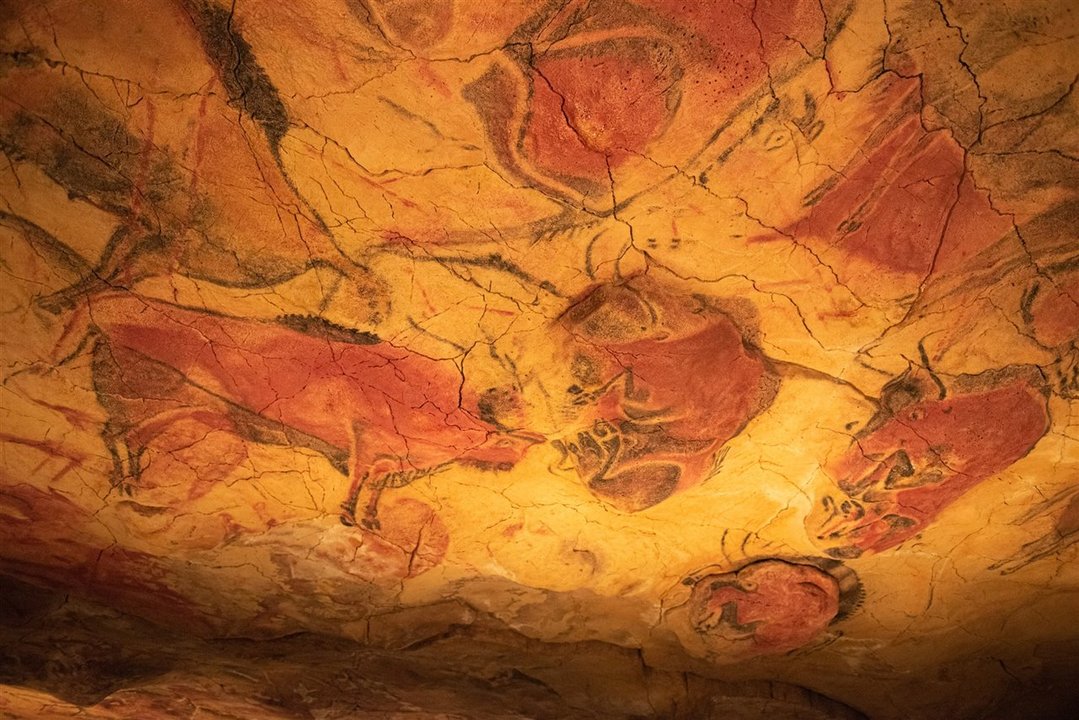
(609, 358)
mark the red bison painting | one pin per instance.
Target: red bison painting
(387, 414)
(921, 453)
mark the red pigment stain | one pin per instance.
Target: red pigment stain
(338, 53)
(483, 309)
(1055, 310)
(51, 548)
(198, 143)
(594, 105)
(419, 23)
(892, 209)
(611, 98)
(737, 41)
(788, 25)
(139, 582)
(552, 144)
(434, 81)
(416, 531)
(414, 540)
(972, 227)
(773, 605)
(927, 455)
(611, 86)
(195, 452)
(709, 379)
(51, 449)
(76, 417)
(138, 187)
(723, 35)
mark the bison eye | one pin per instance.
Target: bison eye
(574, 389)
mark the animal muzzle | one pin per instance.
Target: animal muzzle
(507, 448)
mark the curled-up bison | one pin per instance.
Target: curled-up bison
(927, 445)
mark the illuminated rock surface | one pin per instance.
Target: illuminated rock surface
(609, 359)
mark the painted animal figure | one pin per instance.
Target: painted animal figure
(203, 195)
(927, 446)
(666, 380)
(385, 413)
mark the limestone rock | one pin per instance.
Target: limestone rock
(591, 359)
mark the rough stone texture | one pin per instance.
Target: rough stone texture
(590, 359)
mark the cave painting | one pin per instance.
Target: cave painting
(383, 414)
(1049, 309)
(1058, 518)
(891, 216)
(310, 256)
(190, 198)
(1050, 305)
(927, 446)
(663, 381)
(584, 91)
(767, 606)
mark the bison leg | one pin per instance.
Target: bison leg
(126, 456)
(370, 474)
(348, 507)
(359, 464)
(369, 521)
(113, 436)
(370, 513)
(374, 481)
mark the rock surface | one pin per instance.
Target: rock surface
(591, 359)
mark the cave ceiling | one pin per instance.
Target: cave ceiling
(577, 359)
